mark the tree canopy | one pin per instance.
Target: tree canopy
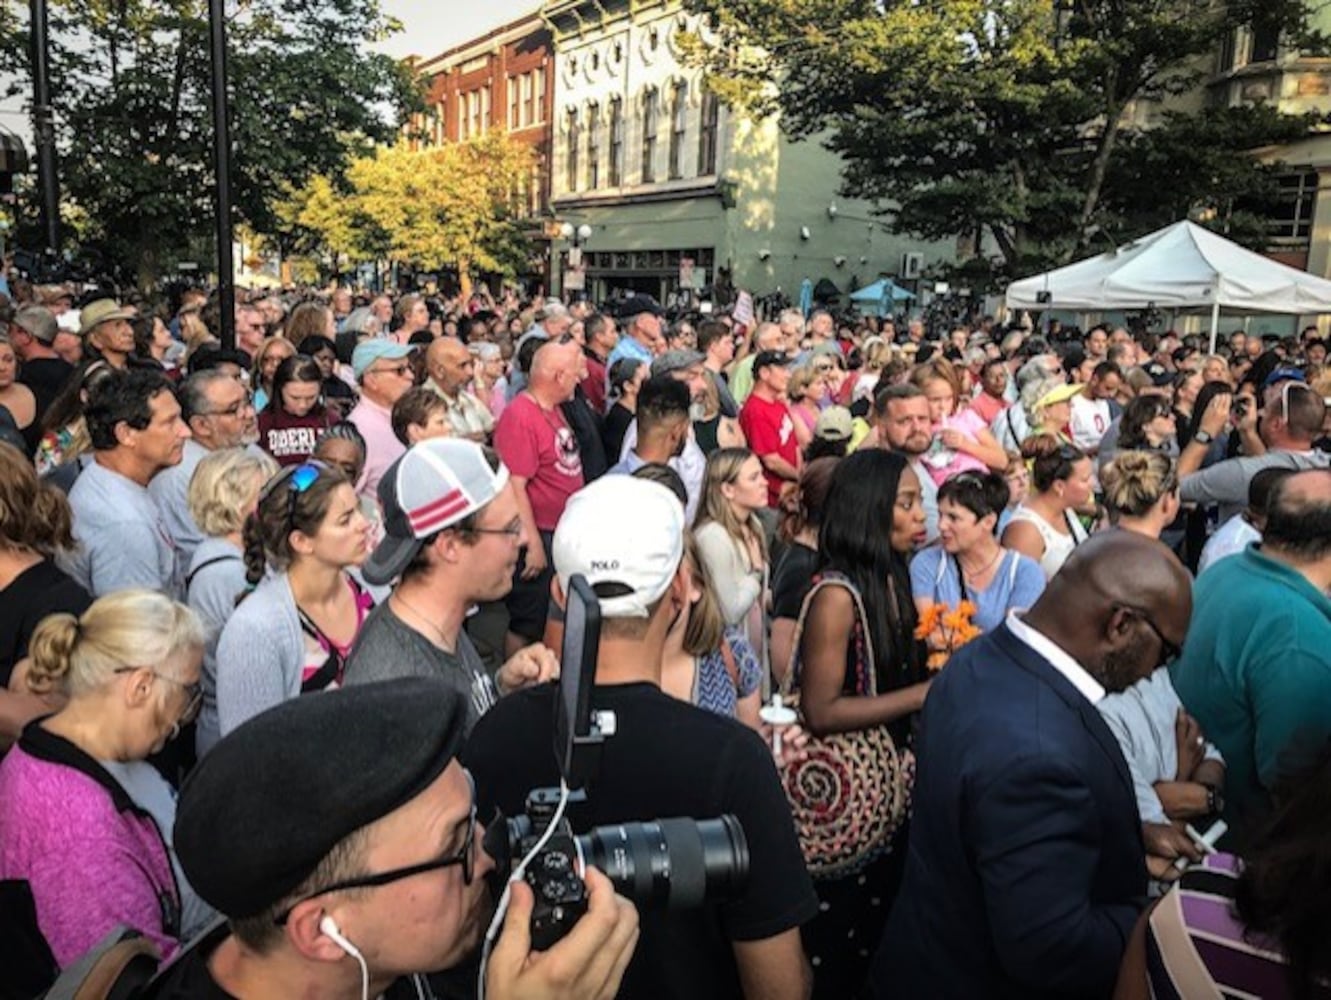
(131, 84)
(451, 207)
(1034, 126)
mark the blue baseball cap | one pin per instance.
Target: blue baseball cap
(1284, 375)
(367, 352)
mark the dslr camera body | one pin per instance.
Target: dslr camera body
(676, 864)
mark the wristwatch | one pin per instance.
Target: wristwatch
(1215, 800)
(1201, 437)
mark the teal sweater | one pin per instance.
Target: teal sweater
(1256, 674)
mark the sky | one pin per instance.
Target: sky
(435, 25)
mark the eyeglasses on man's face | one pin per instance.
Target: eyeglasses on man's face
(464, 856)
(513, 529)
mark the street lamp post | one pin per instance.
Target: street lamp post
(226, 289)
(43, 121)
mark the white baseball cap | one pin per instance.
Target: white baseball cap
(626, 536)
(436, 484)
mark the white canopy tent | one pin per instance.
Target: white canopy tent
(1180, 267)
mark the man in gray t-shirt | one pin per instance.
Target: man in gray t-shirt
(452, 536)
(134, 423)
(387, 647)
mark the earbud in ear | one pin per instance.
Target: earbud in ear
(329, 926)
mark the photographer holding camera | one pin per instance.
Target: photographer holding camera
(339, 835)
(662, 757)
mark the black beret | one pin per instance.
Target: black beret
(269, 802)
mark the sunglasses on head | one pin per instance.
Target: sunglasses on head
(301, 477)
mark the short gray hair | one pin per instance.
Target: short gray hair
(193, 392)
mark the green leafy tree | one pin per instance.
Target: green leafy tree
(131, 80)
(1016, 122)
(448, 207)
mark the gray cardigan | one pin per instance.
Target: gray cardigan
(260, 654)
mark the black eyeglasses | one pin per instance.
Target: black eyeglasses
(301, 477)
(513, 529)
(193, 691)
(1169, 651)
(464, 856)
(234, 410)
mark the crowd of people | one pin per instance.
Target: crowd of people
(279, 625)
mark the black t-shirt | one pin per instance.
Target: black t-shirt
(40, 590)
(45, 377)
(187, 976)
(793, 580)
(667, 759)
(614, 429)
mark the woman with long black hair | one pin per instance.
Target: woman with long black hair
(860, 667)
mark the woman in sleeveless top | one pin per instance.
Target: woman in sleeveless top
(1046, 527)
(707, 662)
(873, 518)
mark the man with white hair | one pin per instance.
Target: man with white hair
(552, 323)
(768, 337)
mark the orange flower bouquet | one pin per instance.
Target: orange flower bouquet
(946, 629)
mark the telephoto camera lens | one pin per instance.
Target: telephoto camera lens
(675, 863)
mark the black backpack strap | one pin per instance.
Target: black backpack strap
(206, 563)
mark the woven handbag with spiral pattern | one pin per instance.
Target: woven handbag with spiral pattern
(852, 790)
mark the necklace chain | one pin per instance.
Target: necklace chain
(975, 575)
(397, 595)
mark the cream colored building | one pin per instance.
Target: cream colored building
(674, 186)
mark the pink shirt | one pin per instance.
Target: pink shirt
(382, 448)
(944, 463)
(90, 857)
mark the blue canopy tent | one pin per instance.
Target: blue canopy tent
(880, 298)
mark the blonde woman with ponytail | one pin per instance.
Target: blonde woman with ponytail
(1141, 491)
(85, 821)
(35, 525)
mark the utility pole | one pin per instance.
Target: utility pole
(222, 175)
(43, 127)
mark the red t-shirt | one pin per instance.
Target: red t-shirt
(289, 439)
(769, 429)
(539, 446)
(988, 407)
(593, 386)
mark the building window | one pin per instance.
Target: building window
(528, 117)
(1265, 42)
(650, 100)
(514, 109)
(440, 123)
(571, 154)
(473, 113)
(711, 112)
(538, 95)
(593, 146)
(678, 122)
(1292, 218)
(615, 169)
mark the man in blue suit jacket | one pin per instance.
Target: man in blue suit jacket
(1025, 870)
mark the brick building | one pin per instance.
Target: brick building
(502, 80)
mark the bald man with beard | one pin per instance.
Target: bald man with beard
(1025, 870)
